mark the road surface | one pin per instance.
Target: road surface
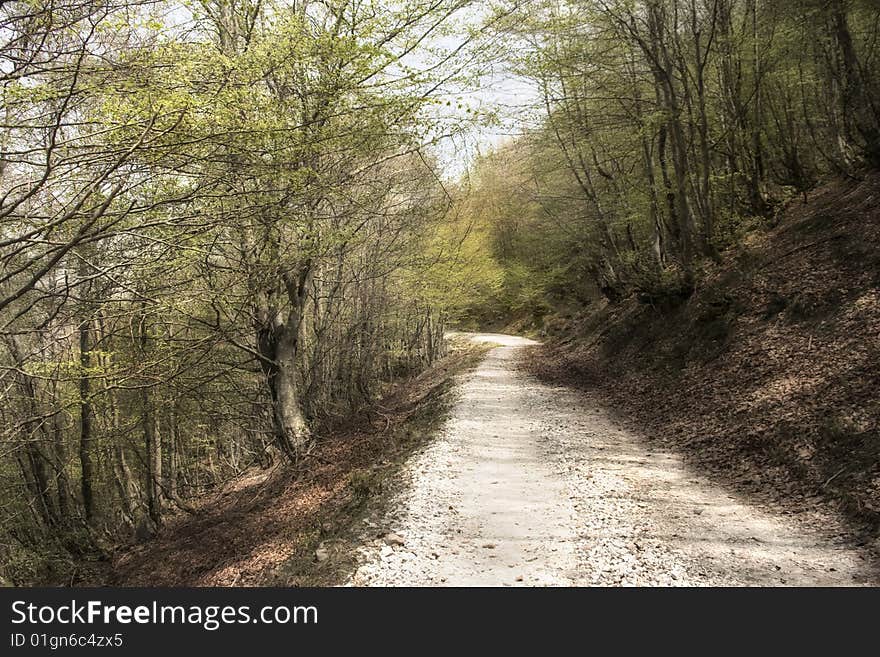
(534, 485)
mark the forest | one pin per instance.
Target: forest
(669, 131)
(228, 226)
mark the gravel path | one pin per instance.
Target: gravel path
(533, 485)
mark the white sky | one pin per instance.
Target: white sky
(514, 100)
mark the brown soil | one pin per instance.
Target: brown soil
(768, 376)
(264, 527)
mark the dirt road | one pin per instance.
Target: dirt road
(530, 485)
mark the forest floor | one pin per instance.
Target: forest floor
(530, 483)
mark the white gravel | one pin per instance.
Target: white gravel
(533, 485)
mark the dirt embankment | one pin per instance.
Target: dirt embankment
(769, 375)
(266, 528)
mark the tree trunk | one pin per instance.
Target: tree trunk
(278, 345)
(756, 188)
(663, 71)
(33, 463)
(85, 421)
(62, 488)
(153, 455)
(172, 457)
(278, 348)
(658, 242)
(152, 445)
(859, 115)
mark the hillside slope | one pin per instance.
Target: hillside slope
(768, 376)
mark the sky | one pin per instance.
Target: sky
(514, 100)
